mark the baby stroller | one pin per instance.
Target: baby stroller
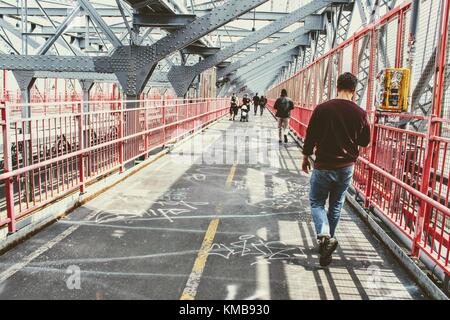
(244, 113)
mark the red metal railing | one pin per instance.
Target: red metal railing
(49, 156)
(405, 172)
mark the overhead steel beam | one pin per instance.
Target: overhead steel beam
(201, 50)
(55, 11)
(35, 44)
(165, 21)
(288, 49)
(274, 70)
(59, 30)
(68, 45)
(134, 65)
(245, 33)
(113, 12)
(283, 60)
(76, 75)
(258, 15)
(264, 74)
(181, 77)
(259, 84)
(55, 63)
(78, 31)
(98, 20)
(62, 66)
(265, 67)
(16, 32)
(312, 22)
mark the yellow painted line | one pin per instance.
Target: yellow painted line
(190, 290)
(231, 175)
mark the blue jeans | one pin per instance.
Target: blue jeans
(331, 185)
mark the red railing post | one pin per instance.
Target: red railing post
(146, 138)
(373, 154)
(121, 135)
(424, 188)
(399, 48)
(81, 143)
(177, 112)
(7, 165)
(433, 127)
(163, 115)
(373, 141)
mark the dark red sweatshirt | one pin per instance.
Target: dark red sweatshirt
(336, 129)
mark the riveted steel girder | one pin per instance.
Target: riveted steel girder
(260, 84)
(54, 63)
(133, 65)
(16, 32)
(60, 30)
(258, 16)
(274, 56)
(166, 21)
(78, 31)
(312, 22)
(33, 43)
(181, 77)
(75, 75)
(262, 69)
(269, 74)
(113, 12)
(285, 59)
(93, 14)
(55, 11)
(65, 66)
(202, 26)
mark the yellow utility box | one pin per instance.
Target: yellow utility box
(393, 89)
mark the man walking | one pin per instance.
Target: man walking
(256, 103)
(283, 105)
(262, 104)
(336, 129)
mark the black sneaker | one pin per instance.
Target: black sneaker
(326, 251)
(321, 246)
(325, 261)
(285, 139)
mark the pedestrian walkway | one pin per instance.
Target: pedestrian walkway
(201, 230)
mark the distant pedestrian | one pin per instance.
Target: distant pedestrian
(246, 102)
(234, 107)
(336, 129)
(245, 108)
(283, 105)
(262, 104)
(256, 103)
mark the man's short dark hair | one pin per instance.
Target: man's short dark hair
(347, 82)
(284, 93)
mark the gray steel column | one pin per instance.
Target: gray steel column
(25, 81)
(86, 86)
